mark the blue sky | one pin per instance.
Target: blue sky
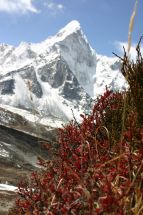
(105, 22)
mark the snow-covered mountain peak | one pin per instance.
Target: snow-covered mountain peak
(57, 75)
(72, 46)
(70, 28)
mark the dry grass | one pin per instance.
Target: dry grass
(131, 24)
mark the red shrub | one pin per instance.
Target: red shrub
(99, 168)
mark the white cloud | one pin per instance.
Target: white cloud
(133, 53)
(17, 6)
(53, 7)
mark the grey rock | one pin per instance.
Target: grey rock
(29, 75)
(7, 87)
(53, 73)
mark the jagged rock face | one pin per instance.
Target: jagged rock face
(59, 75)
(70, 90)
(82, 62)
(53, 81)
(29, 76)
(56, 75)
(53, 73)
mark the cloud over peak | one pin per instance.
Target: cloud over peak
(54, 7)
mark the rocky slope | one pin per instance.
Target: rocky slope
(18, 158)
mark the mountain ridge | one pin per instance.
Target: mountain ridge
(63, 72)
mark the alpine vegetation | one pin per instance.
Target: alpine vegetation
(98, 167)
